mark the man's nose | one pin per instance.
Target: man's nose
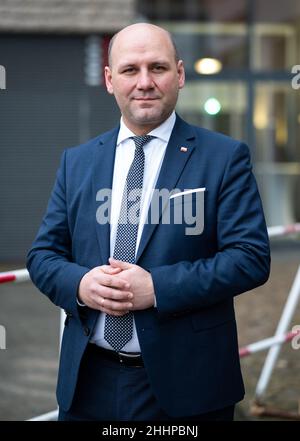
(145, 80)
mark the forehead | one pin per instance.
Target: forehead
(142, 46)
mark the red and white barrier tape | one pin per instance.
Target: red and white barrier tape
(266, 343)
(49, 416)
(283, 230)
(16, 276)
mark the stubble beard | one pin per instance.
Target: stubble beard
(150, 116)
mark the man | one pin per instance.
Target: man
(150, 332)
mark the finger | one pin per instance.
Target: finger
(114, 282)
(99, 304)
(112, 293)
(108, 269)
(114, 313)
(120, 264)
(115, 306)
(102, 285)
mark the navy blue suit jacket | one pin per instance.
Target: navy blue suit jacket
(189, 342)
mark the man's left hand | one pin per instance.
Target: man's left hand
(141, 284)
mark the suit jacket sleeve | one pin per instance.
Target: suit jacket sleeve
(49, 261)
(242, 260)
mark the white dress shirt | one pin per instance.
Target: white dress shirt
(154, 154)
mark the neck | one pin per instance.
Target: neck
(142, 130)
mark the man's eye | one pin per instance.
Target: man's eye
(159, 68)
(129, 70)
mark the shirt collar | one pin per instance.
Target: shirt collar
(163, 131)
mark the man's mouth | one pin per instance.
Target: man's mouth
(145, 98)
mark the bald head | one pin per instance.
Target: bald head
(144, 75)
(141, 29)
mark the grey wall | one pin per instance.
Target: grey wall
(45, 108)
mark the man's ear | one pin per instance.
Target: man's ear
(181, 74)
(108, 78)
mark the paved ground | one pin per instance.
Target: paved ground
(28, 367)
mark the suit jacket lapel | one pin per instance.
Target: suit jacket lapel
(102, 179)
(172, 167)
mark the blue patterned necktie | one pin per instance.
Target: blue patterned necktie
(118, 330)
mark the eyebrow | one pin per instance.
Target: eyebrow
(152, 63)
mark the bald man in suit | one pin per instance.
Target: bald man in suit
(178, 357)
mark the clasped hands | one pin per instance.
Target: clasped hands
(117, 288)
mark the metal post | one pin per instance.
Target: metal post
(282, 327)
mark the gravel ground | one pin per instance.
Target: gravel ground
(258, 313)
(28, 367)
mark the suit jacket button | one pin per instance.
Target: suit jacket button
(86, 331)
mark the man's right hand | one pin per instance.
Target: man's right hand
(100, 290)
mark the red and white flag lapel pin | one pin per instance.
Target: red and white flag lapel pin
(183, 149)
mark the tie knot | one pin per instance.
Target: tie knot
(140, 141)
